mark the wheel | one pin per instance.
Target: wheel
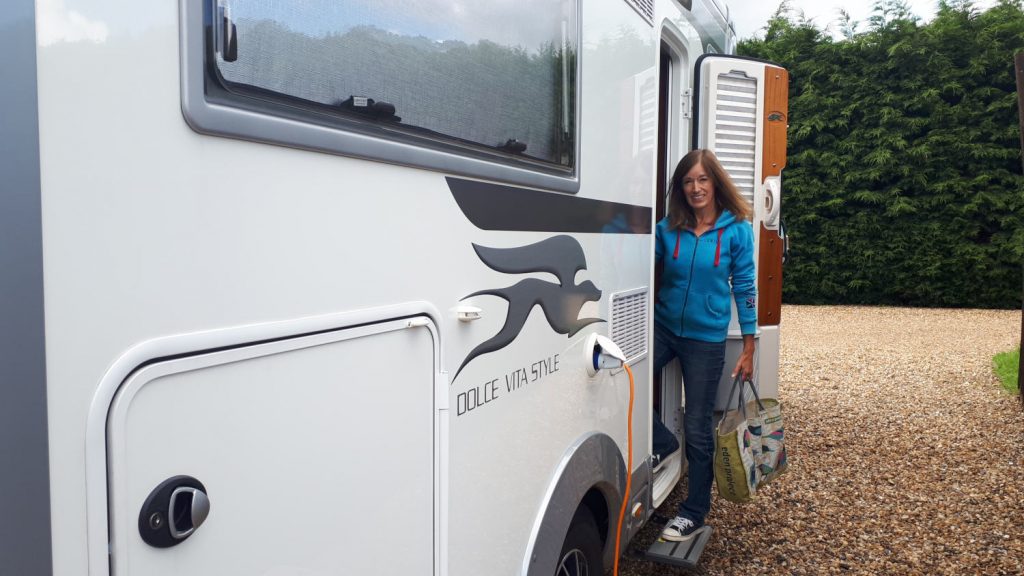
(581, 552)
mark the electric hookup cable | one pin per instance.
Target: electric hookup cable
(629, 465)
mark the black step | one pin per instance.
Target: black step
(685, 553)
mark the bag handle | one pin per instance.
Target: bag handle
(737, 384)
(757, 396)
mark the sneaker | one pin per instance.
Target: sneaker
(679, 529)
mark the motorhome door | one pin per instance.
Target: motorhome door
(741, 113)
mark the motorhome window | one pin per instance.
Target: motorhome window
(484, 78)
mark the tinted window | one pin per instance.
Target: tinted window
(496, 77)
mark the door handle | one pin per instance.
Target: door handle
(173, 511)
(772, 201)
(188, 509)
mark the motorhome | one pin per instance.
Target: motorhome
(307, 288)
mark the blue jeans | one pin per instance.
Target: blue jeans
(702, 364)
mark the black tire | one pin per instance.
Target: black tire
(581, 552)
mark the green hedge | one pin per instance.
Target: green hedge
(903, 184)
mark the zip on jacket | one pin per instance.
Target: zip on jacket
(718, 246)
(692, 260)
(699, 274)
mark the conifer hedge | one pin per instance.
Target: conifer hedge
(903, 184)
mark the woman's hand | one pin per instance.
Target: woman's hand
(745, 363)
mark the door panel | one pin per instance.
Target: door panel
(741, 112)
(776, 119)
(316, 454)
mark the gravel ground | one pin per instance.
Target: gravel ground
(905, 453)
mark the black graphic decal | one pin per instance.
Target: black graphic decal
(562, 256)
(499, 207)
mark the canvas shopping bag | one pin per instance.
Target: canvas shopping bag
(770, 453)
(736, 469)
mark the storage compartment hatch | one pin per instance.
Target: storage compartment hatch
(315, 455)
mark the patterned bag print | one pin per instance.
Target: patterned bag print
(769, 448)
(772, 457)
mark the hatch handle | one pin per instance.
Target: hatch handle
(173, 511)
(188, 510)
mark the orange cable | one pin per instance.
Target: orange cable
(629, 466)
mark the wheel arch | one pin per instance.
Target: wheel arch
(591, 473)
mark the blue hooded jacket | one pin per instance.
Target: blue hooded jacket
(693, 301)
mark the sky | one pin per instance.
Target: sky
(750, 16)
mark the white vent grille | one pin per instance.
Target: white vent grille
(629, 322)
(643, 7)
(735, 129)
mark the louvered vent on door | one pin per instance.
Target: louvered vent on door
(735, 129)
(644, 7)
(629, 322)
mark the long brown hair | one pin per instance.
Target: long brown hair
(727, 195)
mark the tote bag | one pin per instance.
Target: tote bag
(737, 471)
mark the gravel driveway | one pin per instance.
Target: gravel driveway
(905, 453)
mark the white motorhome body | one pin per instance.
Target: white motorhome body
(306, 288)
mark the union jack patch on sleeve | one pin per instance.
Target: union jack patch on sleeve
(751, 302)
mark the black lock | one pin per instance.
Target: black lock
(173, 511)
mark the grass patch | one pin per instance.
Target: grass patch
(1007, 364)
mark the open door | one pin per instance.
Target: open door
(741, 113)
(673, 121)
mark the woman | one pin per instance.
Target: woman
(703, 244)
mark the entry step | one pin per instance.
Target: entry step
(685, 553)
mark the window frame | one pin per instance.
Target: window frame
(210, 108)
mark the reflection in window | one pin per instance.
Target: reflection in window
(494, 75)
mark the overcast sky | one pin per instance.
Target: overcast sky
(750, 16)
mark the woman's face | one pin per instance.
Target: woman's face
(699, 188)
